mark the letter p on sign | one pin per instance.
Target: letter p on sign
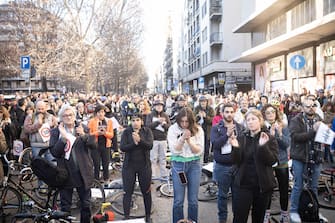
(25, 62)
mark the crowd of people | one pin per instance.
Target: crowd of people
(249, 136)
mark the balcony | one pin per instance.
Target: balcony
(215, 10)
(216, 39)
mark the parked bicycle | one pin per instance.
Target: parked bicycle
(208, 189)
(49, 215)
(326, 189)
(114, 193)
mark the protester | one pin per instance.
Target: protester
(254, 152)
(203, 116)
(102, 128)
(186, 143)
(136, 142)
(158, 121)
(222, 157)
(303, 128)
(69, 145)
(278, 129)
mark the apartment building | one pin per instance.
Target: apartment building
(279, 31)
(13, 43)
(207, 45)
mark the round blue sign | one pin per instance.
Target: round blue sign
(297, 62)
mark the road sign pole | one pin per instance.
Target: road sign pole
(297, 75)
(29, 89)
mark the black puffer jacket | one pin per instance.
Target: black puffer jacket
(80, 169)
(261, 168)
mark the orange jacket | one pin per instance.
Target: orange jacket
(93, 127)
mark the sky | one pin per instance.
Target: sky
(155, 21)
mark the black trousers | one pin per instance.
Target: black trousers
(244, 199)
(101, 155)
(282, 178)
(129, 174)
(85, 202)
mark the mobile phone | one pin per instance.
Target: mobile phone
(182, 177)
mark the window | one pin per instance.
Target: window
(204, 9)
(204, 59)
(328, 6)
(276, 27)
(303, 13)
(204, 34)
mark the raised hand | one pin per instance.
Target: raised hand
(264, 138)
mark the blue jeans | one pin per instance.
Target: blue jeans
(298, 171)
(223, 176)
(192, 171)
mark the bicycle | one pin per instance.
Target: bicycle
(47, 216)
(137, 209)
(208, 189)
(13, 193)
(326, 188)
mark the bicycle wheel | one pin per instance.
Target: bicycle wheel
(208, 191)
(166, 189)
(11, 204)
(137, 209)
(26, 157)
(326, 197)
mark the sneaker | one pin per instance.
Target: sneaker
(322, 218)
(295, 218)
(284, 217)
(267, 217)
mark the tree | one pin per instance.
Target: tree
(84, 43)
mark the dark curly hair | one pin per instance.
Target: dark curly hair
(278, 115)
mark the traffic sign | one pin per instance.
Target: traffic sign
(25, 73)
(25, 62)
(201, 81)
(297, 62)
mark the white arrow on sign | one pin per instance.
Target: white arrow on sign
(297, 61)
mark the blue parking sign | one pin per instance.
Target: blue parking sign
(25, 62)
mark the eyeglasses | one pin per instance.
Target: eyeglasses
(270, 112)
(68, 115)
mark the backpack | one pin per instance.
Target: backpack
(48, 172)
(308, 206)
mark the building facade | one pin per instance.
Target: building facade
(280, 31)
(21, 29)
(207, 45)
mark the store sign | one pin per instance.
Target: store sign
(221, 78)
(276, 68)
